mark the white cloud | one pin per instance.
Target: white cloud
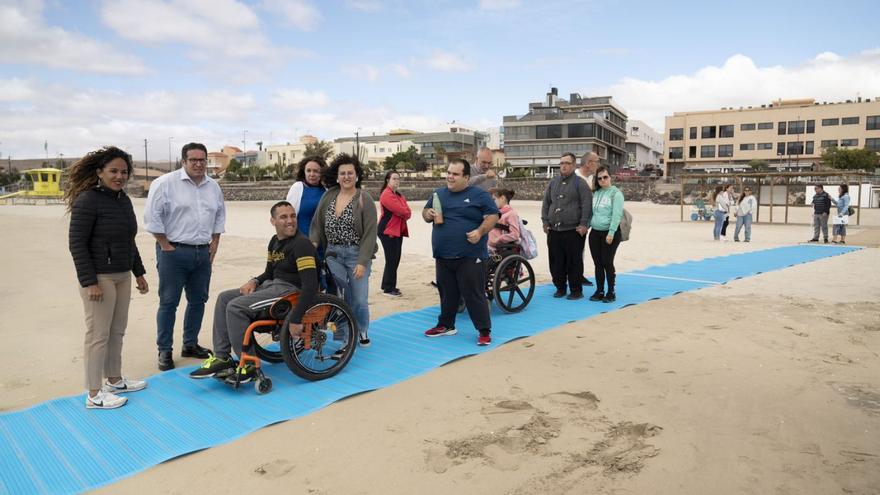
(364, 5)
(499, 4)
(298, 99)
(401, 70)
(26, 38)
(739, 82)
(15, 89)
(300, 14)
(363, 72)
(213, 28)
(448, 62)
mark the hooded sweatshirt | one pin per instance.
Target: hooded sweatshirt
(607, 209)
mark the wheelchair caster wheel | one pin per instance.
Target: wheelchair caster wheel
(263, 386)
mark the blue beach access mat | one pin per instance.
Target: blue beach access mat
(61, 447)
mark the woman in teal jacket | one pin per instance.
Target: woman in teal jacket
(604, 233)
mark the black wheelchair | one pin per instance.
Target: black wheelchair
(511, 279)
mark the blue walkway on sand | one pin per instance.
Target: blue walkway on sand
(61, 447)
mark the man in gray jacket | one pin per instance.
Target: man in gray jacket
(566, 213)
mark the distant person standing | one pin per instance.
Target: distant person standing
(730, 204)
(821, 209)
(484, 177)
(306, 192)
(392, 229)
(719, 197)
(605, 234)
(186, 214)
(842, 218)
(745, 208)
(565, 213)
(589, 163)
(458, 242)
(102, 242)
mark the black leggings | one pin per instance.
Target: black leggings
(392, 247)
(603, 257)
(724, 225)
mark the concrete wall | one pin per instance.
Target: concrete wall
(634, 189)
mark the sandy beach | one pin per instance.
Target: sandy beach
(766, 385)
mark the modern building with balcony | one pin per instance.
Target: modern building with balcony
(555, 126)
(786, 134)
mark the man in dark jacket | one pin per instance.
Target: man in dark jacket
(821, 208)
(290, 266)
(566, 213)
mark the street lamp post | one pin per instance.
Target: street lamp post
(357, 143)
(169, 154)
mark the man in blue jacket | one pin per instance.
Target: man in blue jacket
(821, 208)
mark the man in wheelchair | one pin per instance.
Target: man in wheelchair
(290, 267)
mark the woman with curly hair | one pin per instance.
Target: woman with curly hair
(345, 225)
(306, 192)
(102, 242)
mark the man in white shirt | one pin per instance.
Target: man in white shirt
(589, 163)
(186, 214)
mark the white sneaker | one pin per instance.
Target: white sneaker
(124, 385)
(104, 400)
(724, 239)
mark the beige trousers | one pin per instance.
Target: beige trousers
(105, 326)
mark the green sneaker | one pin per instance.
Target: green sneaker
(212, 366)
(244, 374)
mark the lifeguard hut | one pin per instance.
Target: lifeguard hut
(45, 188)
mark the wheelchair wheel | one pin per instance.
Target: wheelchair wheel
(266, 344)
(513, 284)
(332, 342)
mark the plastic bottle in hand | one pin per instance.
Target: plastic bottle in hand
(438, 209)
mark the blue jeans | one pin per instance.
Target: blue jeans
(740, 221)
(719, 223)
(187, 268)
(342, 260)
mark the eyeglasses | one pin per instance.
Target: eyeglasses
(604, 177)
(346, 174)
(197, 160)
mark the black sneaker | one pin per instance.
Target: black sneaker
(195, 351)
(245, 374)
(559, 293)
(826, 241)
(597, 296)
(212, 366)
(336, 356)
(610, 297)
(574, 296)
(813, 240)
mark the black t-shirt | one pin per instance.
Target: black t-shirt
(294, 261)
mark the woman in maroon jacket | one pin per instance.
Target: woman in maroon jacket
(392, 229)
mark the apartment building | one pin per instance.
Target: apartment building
(436, 147)
(644, 145)
(787, 134)
(556, 126)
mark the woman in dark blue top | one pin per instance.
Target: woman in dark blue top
(306, 192)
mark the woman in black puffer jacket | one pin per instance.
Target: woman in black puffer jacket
(102, 231)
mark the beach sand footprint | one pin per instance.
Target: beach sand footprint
(273, 469)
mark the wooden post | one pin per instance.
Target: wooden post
(859, 204)
(681, 198)
(772, 185)
(787, 184)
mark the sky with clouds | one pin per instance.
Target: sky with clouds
(80, 74)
